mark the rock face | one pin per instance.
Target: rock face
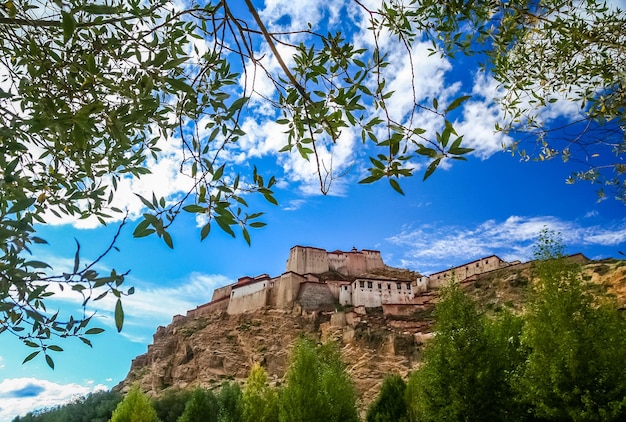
(205, 349)
(209, 349)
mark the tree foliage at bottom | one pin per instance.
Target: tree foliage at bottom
(136, 407)
(576, 342)
(317, 387)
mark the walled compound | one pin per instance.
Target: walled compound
(316, 279)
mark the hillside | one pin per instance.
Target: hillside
(204, 350)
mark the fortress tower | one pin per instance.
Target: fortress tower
(305, 260)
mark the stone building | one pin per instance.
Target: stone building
(465, 271)
(316, 279)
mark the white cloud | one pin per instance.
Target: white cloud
(21, 395)
(430, 248)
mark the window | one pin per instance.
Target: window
(477, 264)
(362, 284)
(388, 286)
(408, 286)
(369, 284)
(380, 286)
(345, 287)
(399, 286)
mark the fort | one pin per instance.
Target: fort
(316, 279)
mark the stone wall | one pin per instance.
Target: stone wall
(313, 296)
(207, 308)
(464, 271)
(304, 259)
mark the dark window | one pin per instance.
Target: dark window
(380, 286)
(362, 284)
(345, 287)
(477, 264)
(369, 284)
(399, 286)
(389, 286)
(408, 286)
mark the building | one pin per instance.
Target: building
(315, 279)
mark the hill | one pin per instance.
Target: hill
(205, 349)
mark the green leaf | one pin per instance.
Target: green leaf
(193, 208)
(49, 361)
(371, 179)
(119, 315)
(55, 348)
(145, 201)
(396, 186)
(69, 25)
(204, 232)
(31, 356)
(431, 168)
(99, 9)
(20, 205)
(246, 235)
(167, 238)
(457, 102)
(180, 85)
(76, 257)
(95, 330)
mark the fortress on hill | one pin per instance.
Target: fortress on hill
(316, 279)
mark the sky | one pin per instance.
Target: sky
(491, 204)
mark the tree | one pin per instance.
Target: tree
(466, 367)
(390, 405)
(230, 403)
(171, 405)
(135, 407)
(577, 349)
(542, 53)
(201, 406)
(260, 401)
(91, 95)
(317, 386)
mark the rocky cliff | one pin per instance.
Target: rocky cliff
(204, 350)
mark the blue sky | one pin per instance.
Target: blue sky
(491, 204)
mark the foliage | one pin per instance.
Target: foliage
(201, 406)
(390, 405)
(91, 94)
(95, 407)
(577, 349)
(136, 407)
(464, 375)
(542, 53)
(171, 405)
(229, 400)
(317, 386)
(260, 401)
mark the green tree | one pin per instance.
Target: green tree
(229, 400)
(466, 367)
(171, 405)
(201, 406)
(317, 386)
(577, 358)
(260, 401)
(390, 405)
(136, 407)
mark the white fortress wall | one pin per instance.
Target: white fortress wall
(376, 292)
(248, 296)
